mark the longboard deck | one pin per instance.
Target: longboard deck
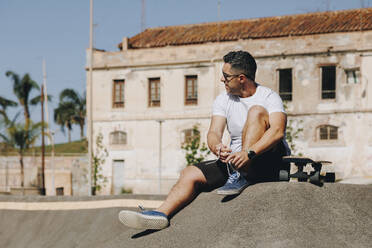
(298, 159)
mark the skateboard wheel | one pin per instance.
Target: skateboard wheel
(283, 175)
(315, 179)
(330, 177)
(302, 177)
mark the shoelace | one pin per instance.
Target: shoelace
(218, 156)
(232, 175)
(229, 167)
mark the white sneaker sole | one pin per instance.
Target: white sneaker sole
(140, 221)
(231, 192)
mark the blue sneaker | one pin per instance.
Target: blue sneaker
(235, 184)
(144, 219)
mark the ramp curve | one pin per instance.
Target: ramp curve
(264, 215)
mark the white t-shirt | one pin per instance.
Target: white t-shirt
(235, 110)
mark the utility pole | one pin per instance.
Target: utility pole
(328, 5)
(219, 20)
(362, 5)
(7, 188)
(53, 166)
(42, 190)
(47, 120)
(143, 16)
(89, 101)
(160, 151)
(46, 100)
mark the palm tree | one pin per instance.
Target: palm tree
(79, 103)
(17, 136)
(64, 116)
(5, 103)
(22, 88)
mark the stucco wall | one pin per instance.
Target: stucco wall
(350, 111)
(70, 172)
(311, 44)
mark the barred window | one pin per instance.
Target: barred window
(328, 82)
(285, 84)
(118, 94)
(118, 138)
(352, 76)
(191, 90)
(328, 132)
(188, 135)
(154, 92)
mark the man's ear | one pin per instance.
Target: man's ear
(241, 78)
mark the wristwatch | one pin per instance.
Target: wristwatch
(251, 154)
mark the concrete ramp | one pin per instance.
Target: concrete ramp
(264, 215)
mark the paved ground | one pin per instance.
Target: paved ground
(264, 215)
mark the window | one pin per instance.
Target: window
(328, 132)
(191, 90)
(188, 135)
(352, 76)
(285, 84)
(154, 92)
(118, 138)
(328, 82)
(118, 94)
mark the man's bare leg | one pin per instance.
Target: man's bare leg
(254, 128)
(184, 191)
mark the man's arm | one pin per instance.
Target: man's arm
(275, 132)
(214, 137)
(272, 136)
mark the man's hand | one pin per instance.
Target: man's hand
(238, 159)
(222, 151)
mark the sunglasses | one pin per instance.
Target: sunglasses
(231, 76)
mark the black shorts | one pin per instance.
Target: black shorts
(264, 168)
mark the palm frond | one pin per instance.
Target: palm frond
(13, 75)
(22, 88)
(37, 99)
(64, 115)
(4, 103)
(69, 95)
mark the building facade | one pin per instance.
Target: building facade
(148, 95)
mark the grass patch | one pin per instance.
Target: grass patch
(79, 146)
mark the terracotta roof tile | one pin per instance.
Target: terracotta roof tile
(261, 28)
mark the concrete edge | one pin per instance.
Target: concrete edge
(79, 205)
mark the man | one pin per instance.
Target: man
(256, 122)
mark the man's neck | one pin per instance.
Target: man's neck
(248, 89)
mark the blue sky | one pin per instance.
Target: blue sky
(58, 30)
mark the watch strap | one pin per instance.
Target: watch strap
(251, 154)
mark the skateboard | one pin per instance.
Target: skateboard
(314, 176)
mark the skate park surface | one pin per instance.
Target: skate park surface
(275, 214)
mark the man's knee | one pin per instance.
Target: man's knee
(192, 174)
(259, 114)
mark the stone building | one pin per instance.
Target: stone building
(163, 81)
